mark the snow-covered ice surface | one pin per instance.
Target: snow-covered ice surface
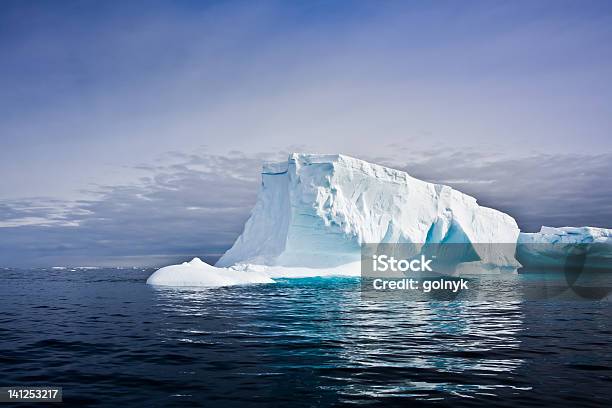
(199, 273)
(568, 235)
(551, 247)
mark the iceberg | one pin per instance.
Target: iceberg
(573, 247)
(199, 273)
(314, 212)
(317, 210)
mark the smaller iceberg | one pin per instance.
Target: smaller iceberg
(566, 247)
(199, 273)
(568, 235)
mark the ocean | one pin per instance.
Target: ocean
(111, 340)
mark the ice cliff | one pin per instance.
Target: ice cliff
(316, 210)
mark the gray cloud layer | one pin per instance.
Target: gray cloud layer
(196, 204)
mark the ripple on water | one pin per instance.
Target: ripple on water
(109, 339)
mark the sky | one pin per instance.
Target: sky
(132, 133)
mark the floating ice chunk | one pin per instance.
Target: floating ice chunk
(199, 273)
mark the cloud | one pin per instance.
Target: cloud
(196, 204)
(187, 205)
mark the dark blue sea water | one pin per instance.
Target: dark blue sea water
(110, 340)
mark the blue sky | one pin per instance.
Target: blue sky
(109, 108)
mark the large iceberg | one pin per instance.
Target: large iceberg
(317, 210)
(314, 212)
